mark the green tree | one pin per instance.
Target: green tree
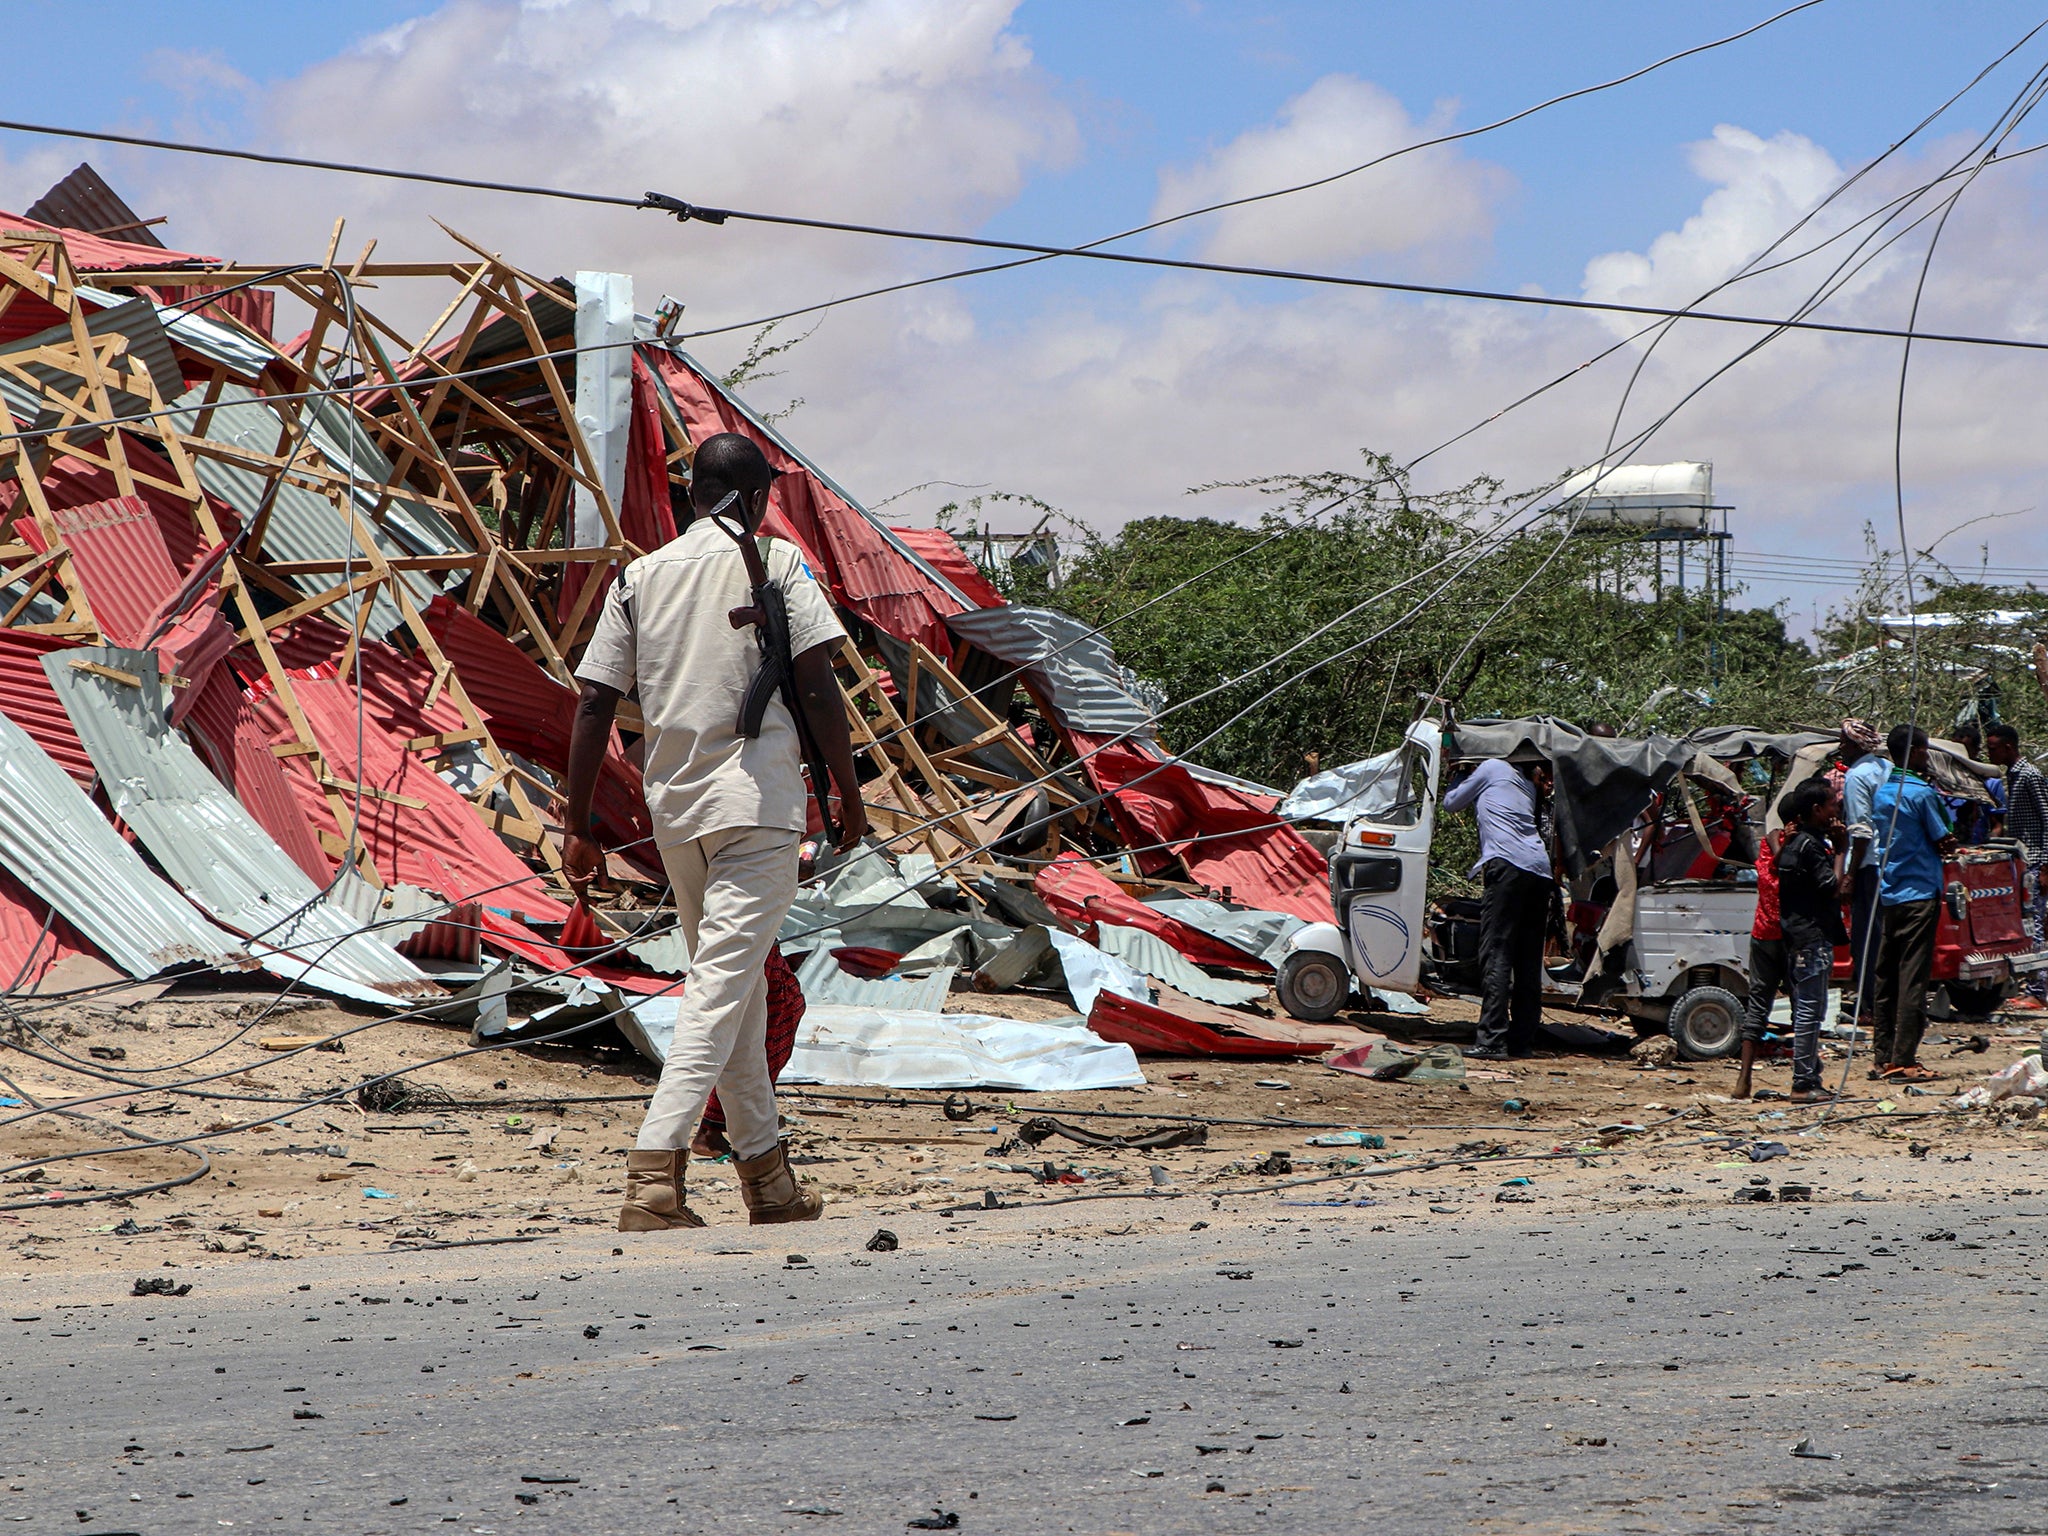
(1538, 622)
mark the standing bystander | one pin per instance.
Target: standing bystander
(1514, 910)
(1864, 768)
(2026, 823)
(1914, 834)
(1810, 914)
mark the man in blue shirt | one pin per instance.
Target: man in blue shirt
(1866, 768)
(1913, 835)
(1507, 798)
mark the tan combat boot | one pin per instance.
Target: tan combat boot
(771, 1189)
(654, 1192)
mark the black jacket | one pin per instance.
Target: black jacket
(1809, 897)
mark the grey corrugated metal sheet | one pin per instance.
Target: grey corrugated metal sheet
(83, 200)
(391, 913)
(824, 982)
(1088, 688)
(304, 524)
(1254, 931)
(235, 351)
(56, 842)
(1158, 959)
(135, 319)
(209, 845)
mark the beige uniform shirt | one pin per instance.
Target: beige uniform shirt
(663, 630)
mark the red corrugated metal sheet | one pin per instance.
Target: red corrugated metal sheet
(512, 937)
(225, 733)
(846, 551)
(1225, 838)
(26, 316)
(96, 253)
(441, 845)
(1078, 891)
(69, 482)
(530, 713)
(27, 699)
(26, 951)
(943, 553)
(1155, 1032)
(118, 551)
(118, 554)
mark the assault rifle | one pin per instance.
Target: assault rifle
(769, 614)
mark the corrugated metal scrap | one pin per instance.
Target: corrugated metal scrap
(208, 844)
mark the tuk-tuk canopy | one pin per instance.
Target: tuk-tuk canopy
(1602, 782)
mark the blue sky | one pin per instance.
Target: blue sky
(1158, 82)
(1128, 95)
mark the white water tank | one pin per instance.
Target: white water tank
(1640, 495)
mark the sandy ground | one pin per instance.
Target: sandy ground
(530, 1141)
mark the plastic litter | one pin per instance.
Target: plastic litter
(2025, 1077)
(1806, 1449)
(1370, 1139)
(1385, 1062)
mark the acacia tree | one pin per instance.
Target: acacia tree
(1454, 596)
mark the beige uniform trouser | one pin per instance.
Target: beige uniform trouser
(732, 888)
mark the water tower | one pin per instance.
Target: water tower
(1660, 504)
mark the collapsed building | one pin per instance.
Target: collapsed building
(288, 623)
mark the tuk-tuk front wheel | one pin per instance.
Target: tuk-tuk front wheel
(1313, 985)
(1706, 1023)
(1975, 1001)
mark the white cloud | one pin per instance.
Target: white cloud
(1761, 187)
(1429, 200)
(877, 111)
(1111, 398)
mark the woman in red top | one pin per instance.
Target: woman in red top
(1767, 965)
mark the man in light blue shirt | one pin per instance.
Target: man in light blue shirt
(1866, 769)
(1507, 799)
(1915, 833)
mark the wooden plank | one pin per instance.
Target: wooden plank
(371, 792)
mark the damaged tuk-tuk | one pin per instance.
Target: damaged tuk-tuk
(1657, 840)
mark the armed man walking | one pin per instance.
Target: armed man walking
(685, 626)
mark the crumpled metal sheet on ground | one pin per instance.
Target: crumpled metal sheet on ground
(1256, 932)
(212, 847)
(1079, 891)
(891, 1048)
(1159, 1032)
(823, 981)
(57, 843)
(1090, 972)
(1152, 955)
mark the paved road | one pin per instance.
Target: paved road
(1283, 1369)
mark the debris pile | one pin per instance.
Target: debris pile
(287, 631)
